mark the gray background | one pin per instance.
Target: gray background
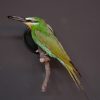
(76, 23)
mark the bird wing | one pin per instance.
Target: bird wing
(50, 44)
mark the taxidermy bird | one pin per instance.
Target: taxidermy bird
(47, 45)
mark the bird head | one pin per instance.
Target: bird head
(28, 21)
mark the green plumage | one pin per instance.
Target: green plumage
(43, 35)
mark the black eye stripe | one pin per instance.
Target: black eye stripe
(29, 21)
(32, 21)
(35, 21)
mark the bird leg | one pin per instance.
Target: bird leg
(45, 59)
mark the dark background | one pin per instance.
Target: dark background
(76, 23)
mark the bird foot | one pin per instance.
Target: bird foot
(44, 59)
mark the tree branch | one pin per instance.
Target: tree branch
(45, 59)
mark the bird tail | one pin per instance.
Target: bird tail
(74, 73)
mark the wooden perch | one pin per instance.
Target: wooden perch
(45, 59)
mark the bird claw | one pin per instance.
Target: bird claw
(42, 60)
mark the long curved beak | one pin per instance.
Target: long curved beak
(17, 18)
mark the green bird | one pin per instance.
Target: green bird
(43, 35)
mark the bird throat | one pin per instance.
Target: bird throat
(28, 24)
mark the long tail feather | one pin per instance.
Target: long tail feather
(75, 75)
(75, 69)
(73, 72)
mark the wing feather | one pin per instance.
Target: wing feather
(50, 44)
